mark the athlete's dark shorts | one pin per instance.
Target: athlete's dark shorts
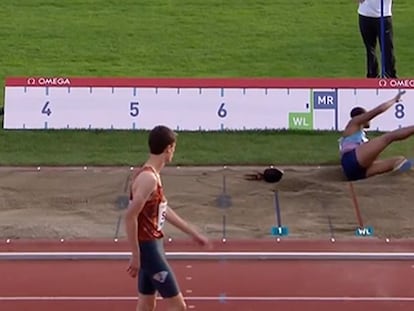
(155, 273)
(351, 167)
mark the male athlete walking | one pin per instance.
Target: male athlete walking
(147, 211)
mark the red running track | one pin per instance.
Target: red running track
(212, 285)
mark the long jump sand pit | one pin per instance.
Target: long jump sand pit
(73, 202)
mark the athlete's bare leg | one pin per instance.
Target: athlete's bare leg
(176, 303)
(146, 302)
(368, 152)
(386, 165)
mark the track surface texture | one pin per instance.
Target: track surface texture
(213, 284)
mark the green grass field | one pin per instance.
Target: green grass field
(194, 148)
(267, 38)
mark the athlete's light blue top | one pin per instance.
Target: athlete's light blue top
(350, 142)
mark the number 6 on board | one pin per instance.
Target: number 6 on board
(222, 112)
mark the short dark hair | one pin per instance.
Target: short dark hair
(160, 138)
(357, 111)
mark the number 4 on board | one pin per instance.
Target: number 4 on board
(46, 109)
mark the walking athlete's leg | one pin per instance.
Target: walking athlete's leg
(176, 303)
(147, 291)
(166, 284)
(159, 273)
(146, 302)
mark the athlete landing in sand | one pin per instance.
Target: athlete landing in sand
(359, 156)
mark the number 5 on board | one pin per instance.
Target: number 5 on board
(133, 109)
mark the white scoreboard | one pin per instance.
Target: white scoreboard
(200, 104)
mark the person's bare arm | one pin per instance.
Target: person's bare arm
(361, 119)
(173, 218)
(142, 188)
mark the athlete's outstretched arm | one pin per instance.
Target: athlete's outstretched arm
(371, 114)
(173, 218)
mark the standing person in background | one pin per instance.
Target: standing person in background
(369, 12)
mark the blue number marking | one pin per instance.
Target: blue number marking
(133, 109)
(46, 109)
(399, 111)
(222, 112)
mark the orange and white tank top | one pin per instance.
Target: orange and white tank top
(152, 217)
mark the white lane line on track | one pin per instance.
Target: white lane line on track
(207, 298)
